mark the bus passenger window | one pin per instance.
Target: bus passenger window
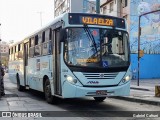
(20, 52)
(47, 35)
(50, 34)
(32, 42)
(31, 47)
(50, 47)
(16, 53)
(44, 49)
(37, 50)
(36, 40)
(47, 48)
(10, 54)
(31, 51)
(43, 37)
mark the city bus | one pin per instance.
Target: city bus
(76, 55)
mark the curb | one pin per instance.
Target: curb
(151, 102)
(143, 89)
(10, 95)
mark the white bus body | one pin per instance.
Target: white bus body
(53, 60)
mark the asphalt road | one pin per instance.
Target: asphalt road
(81, 108)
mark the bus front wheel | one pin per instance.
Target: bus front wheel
(99, 99)
(48, 95)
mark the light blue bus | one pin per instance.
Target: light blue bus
(77, 55)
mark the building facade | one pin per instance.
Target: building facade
(149, 39)
(89, 6)
(118, 8)
(150, 32)
(4, 53)
(76, 6)
(110, 7)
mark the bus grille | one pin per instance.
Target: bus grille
(100, 75)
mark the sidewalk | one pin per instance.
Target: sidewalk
(144, 93)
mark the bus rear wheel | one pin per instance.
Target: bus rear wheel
(48, 95)
(99, 99)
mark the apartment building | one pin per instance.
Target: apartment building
(4, 50)
(89, 6)
(4, 47)
(62, 6)
(110, 7)
(118, 8)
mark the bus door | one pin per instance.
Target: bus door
(26, 51)
(56, 62)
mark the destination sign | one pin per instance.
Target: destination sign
(95, 19)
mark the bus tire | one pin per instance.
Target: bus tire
(99, 99)
(19, 86)
(48, 95)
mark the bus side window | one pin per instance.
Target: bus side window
(46, 42)
(16, 52)
(31, 47)
(49, 47)
(48, 39)
(50, 42)
(20, 51)
(37, 47)
(37, 50)
(44, 48)
(12, 55)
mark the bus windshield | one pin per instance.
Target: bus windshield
(96, 47)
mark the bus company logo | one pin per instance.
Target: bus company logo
(92, 82)
(101, 75)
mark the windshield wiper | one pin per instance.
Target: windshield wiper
(87, 30)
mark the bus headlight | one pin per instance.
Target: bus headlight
(70, 79)
(126, 79)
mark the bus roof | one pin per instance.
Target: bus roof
(59, 18)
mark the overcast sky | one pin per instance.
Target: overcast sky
(19, 18)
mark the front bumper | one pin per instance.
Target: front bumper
(72, 91)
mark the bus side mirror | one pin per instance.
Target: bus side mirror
(63, 35)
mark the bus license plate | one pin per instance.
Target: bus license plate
(101, 92)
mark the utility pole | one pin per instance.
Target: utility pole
(40, 13)
(97, 6)
(139, 33)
